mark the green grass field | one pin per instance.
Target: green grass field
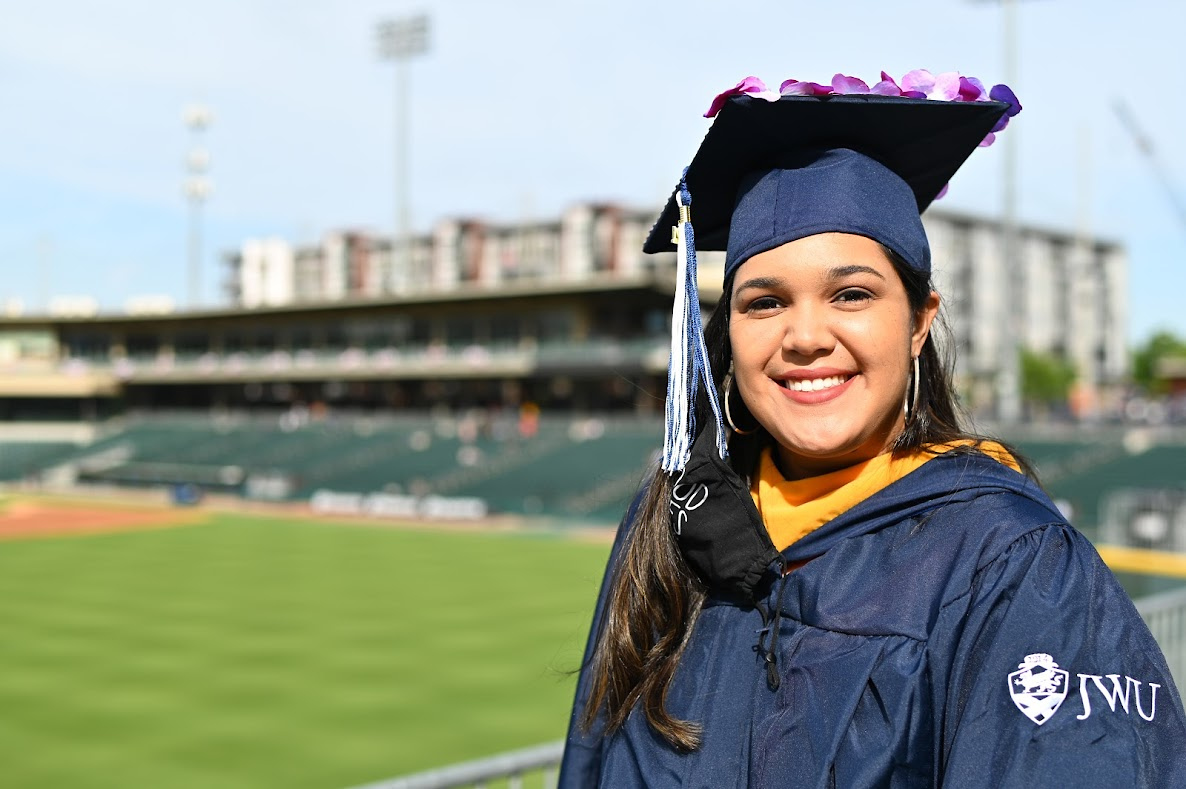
(259, 652)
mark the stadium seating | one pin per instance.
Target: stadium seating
(25, 460)
(573, 468)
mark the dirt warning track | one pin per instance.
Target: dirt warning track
(31, 520)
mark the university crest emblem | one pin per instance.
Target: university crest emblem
(1038, 687)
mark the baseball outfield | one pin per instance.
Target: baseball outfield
(151, 646)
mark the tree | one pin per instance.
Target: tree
(1045, 379)
(1146, 357)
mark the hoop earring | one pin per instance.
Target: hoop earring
(910, 402)
(727, 385)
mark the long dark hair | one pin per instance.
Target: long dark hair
(655, 599)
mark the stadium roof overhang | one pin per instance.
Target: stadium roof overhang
(658, 283)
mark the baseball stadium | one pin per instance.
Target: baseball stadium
(329, 544)
(344, 525)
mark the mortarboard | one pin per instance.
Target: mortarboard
(775, 167)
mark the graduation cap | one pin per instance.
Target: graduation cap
(921, 141)
(774, 168)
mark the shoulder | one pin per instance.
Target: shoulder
(931, 545)
(985, 508)
(1045, 660)
(964, 516)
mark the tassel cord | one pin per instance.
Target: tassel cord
(689, 365)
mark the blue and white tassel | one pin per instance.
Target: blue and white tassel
(688, 366)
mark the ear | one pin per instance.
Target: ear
(922, 323)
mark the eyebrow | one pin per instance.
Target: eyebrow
(835, 273)
(845, 271)
(760, 283)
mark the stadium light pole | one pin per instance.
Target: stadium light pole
(400, 40)
(1008, 378)
(197, 189)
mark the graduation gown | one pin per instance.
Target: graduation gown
(950, 630)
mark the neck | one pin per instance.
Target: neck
(797, 465)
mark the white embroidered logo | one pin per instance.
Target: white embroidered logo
(684, 499)
(1120, 694)
(1038, 687)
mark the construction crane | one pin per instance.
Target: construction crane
(1145, 146)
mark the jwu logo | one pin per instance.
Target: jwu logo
(1119, 694)
(1039, 687)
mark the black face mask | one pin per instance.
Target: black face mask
(718, 528)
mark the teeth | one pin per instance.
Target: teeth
(815, 384)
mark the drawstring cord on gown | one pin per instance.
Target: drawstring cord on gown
(771, 625)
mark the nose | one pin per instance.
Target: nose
(807, 332)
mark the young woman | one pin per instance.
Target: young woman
(845, 589)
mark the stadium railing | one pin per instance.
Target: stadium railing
(398, 362)
(512, 767)
(1164, 613)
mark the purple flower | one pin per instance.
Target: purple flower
(942, 192)
(1005, 93)
(946, 87)
(749, 85)
(793, 87)
(842, 85)
(972, 89)
(918, 81)
(917, 84)
(887, 86)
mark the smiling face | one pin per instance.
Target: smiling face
(822, 335)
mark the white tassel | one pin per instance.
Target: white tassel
(676, 444)
(688, 365)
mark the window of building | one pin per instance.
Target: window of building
(461, 330)
(301, 338)
(191, 343)
(419, 331)
(26, 345)
(505, 329)
(142, 346)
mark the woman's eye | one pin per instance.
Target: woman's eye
(763, 303)
(853, 296)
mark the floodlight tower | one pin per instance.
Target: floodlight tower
(400, 40)
(1009, 376)
(197, 187)
(1008, 379)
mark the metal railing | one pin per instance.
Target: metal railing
(1165, 614)
(406, 361)
(512, 767)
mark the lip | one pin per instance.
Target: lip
(820, 396)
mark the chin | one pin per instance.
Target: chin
(821, 448)
(840, 455)
(827, 451)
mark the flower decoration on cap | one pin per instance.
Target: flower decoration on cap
(916, 84)
(750, 86)
(793, 87)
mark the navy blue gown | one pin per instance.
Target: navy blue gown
(952, 630)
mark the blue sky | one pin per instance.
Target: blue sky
(520, 109)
